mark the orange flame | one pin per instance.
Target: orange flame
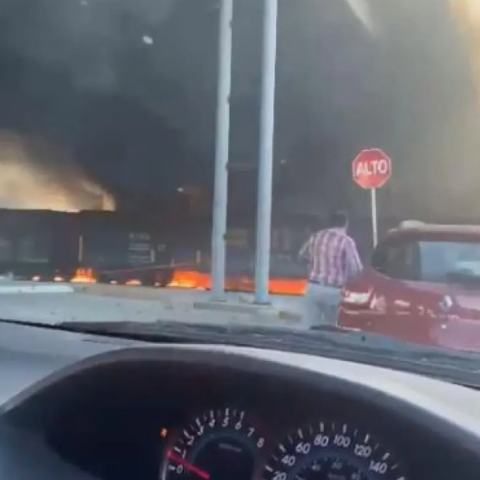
(202, 281)
(193, 280)
(84, 275)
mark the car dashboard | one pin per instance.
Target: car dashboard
(221, 416)
(177, 412)
(227, 426)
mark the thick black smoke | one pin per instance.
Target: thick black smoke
(128, 89)
(83, 75)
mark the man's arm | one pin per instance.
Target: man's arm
(306, 251)
(352, 258)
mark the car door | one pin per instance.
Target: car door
(390, 303)
(364, 304)
(414, 304)
(456, 319)
(390, 298)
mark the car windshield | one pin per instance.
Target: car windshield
(441, 259)
(308, 166)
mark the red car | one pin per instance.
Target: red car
(422, 286)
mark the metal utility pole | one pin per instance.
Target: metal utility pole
(220, 199)
(265, 176)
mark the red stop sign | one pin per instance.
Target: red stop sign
(371, 168)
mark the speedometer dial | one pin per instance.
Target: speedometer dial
(217, 445)
(332, 451)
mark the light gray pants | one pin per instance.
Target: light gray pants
(321, 305)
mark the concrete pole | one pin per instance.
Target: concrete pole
(220, 199)
(265, 176)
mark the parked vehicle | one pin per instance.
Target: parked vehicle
(37, 243)
(114, 247)
(422, 285)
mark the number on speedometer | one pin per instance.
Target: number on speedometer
(221, 444)
(332, 451)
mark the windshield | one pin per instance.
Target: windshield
(440, 259)
(310, 165)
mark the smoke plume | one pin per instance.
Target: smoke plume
(51, 182)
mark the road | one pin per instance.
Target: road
(53, 303)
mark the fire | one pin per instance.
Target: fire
(84, 275)
(36, 175)
(193, 280)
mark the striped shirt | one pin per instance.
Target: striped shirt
(333, 257)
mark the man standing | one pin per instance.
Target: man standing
(333, 258)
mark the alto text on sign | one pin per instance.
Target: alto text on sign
(371, 168)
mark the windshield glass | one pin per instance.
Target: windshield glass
(443, 258)
(310, 165)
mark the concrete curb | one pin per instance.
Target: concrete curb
(122, 291)
(258, 311)
(26, 288)
(248, 309)
(183, 300)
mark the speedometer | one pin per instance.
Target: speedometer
(332, 451)
(221, 444)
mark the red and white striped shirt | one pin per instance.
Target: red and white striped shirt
(333, 257)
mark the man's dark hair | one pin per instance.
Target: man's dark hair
(338, 219)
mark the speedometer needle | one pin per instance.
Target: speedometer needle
(188, 466)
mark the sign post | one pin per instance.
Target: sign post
(373, 206)
(371, 170)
